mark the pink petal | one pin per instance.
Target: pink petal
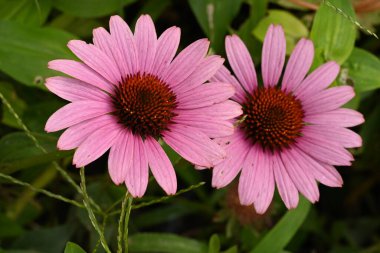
(326, 174)
(167, 46)
(121, 157)
(299, 172)
(76, 134)
(204, 71)
(265, 183)
(82, 72)
(205, 95)
(247, 188)
(123, 36)
(273, 55)
(105, 42)
(161, 166)
(225, 110)
(138, 174)
(213, 128)
(298, 65)
(318, 80)
(193, 145)
(341, 117)
(185, 62)
(96, 59)
(256, 183)
(241, 62)
(328, 100)
(146, 41)
(223, 75)
(340, 135)
(96, 144)
(237, 148)
(74, 113)
(325, 152)
(74, 90)
(285, 185)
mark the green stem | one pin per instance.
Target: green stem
(40, 182)
(162, 199)
(351, 19)
(91, 215)
(43, 191)
(121, 223)
(155, 201)
(105, 217)
(126, 222)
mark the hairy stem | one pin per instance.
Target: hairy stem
(91, 215)
(43, 191)
(121, 224)
(155, 201)
(126, 222)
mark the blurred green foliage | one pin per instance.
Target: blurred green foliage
(33, 32)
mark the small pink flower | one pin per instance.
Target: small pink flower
(128, 92)
(291, 134)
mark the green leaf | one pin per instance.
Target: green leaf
(233, 249)
(164, 243)
(215, 16)
(294, 29)
(8, 227)
(17, 151)
(82, 27)
(214, 244)
(19, 251)
(25, 51)
(91, 8)
(281, 234)
(36, 160)
(25, 11)
(46, 240)
(73, 248)
(332, 33)
(17, 103)
(258, 10)
(289, 5)
(36, 114)
(154, 8)
(363, 68)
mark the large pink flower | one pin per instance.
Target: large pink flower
(128, 92)
(291, 135)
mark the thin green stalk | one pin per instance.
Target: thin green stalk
(155, 201)
(126, 222)
(40, 147)
(43, 191)
(121, 223)
(111, 207)
(351, 19)
(105, 217)
(91, 215)
(162, 199)
(40, 182)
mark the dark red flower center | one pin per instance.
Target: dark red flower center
(273, 118)
(144, 104)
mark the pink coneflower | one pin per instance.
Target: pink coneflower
(128, 93)
(290, 134)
